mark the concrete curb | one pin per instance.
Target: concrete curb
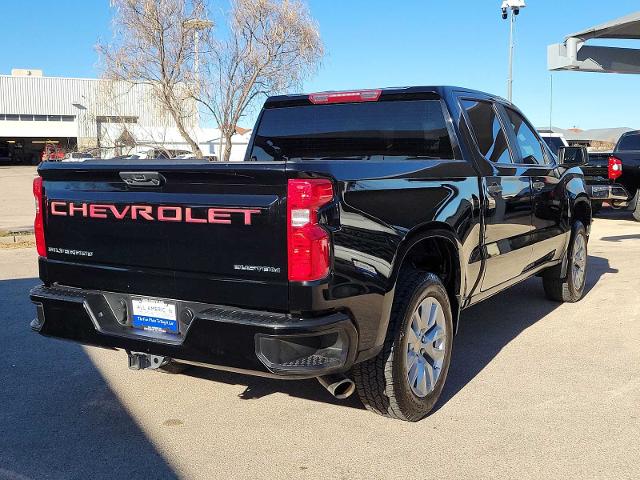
(17, 236)
(5, 231)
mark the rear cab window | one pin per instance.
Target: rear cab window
(377, 130)
(630, 142)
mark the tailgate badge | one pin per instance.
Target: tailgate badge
(257, 268)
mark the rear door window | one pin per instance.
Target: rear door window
(490, 137)
(530, 145)
(411, 129)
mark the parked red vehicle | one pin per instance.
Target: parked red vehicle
(52, 152)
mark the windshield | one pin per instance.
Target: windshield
(630, 142)
(369, 130)
(554, 143)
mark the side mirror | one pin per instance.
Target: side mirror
(572, 156)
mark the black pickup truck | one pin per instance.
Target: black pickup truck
(615, 177)
(344, 248)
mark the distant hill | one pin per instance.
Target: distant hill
(609, 135)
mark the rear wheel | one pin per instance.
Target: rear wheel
(406, 378)
(569, 288)
(636, 205)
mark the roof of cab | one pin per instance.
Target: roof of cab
(410, 91)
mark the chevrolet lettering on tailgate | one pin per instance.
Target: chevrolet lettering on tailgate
(152, 213)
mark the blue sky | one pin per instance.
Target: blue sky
(379, 43)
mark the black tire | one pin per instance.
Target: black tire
(636, 209)
(596, 207)
(564, 289)
(382, 382)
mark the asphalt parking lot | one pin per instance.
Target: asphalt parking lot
(16, 199)
(536, 390)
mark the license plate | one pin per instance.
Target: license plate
(154, 315)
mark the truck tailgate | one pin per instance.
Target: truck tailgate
(200, 231)
(597, 168)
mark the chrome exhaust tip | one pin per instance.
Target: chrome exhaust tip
(339, 386)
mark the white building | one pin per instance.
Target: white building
(104, 118)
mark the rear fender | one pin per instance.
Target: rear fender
(441, 232)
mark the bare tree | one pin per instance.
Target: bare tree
(272, 46)
(155, 45)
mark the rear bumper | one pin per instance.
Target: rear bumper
(248, 341)
(611, 192)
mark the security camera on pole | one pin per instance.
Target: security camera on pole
(514, 6)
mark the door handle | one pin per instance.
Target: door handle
(537, 186)
(494, 189)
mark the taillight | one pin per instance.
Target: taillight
(345, 97)
(38, 224)
(615, 167)
(307, 241)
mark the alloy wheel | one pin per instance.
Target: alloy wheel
(579, 261)
(426, 346)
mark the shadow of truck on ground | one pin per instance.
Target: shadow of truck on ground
(485, 330)
(488, 327)
(59, 417)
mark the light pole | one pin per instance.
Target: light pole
(197, 24)
(514, 6)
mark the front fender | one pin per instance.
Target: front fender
(577, 197)
(578, 206)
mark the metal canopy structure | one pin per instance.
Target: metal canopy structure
(574, 54)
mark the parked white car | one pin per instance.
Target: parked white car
(77, 157)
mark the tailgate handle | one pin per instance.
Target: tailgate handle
(143, 179)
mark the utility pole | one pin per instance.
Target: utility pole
(514, 7)
(551, 103)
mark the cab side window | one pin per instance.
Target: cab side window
(490, 137)
(529, 143)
